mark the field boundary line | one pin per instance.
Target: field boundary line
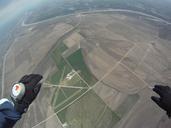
(75, 71)
(114, 67)
(89, 88)
(134, 74)
(68, 98)
(63, 86)
(62, 108)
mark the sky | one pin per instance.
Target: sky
(13, 8)
(10, 9)
(4, 3)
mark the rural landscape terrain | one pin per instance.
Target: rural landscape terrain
(98, 65)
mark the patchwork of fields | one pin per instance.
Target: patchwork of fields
(74, 100)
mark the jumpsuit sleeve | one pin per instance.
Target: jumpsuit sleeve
(8, 115)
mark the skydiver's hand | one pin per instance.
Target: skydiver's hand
(164, 101)
(32, 88)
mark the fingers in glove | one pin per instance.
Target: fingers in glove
(23, 79)
(157, 101)
(32, 94)
(36, 91)
(27, 79)
(168, 114)
(35, 79)
(160, 89)
(37, 88)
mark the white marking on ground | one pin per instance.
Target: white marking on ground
(34, 112)
(101, 115)
(77, 92)
(64, 93)
(76, 72)
(62, 76)
(63, 86)
(134, 74)
(146, 53)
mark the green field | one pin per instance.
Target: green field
(56, 54)
(72, 79)
(65, 76)
(63, 68)
(78, 63)
(89, 112)
(75, 64)
(62, 99)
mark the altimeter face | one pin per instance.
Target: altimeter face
(18, 91)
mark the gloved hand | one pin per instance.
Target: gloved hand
(164, 101)
(32, 88)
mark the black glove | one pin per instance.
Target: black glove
(32, 88)
(164, 101)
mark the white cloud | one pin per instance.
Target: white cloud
(15, 8)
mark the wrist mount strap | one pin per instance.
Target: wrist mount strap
(20, 107)
(17, 96)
